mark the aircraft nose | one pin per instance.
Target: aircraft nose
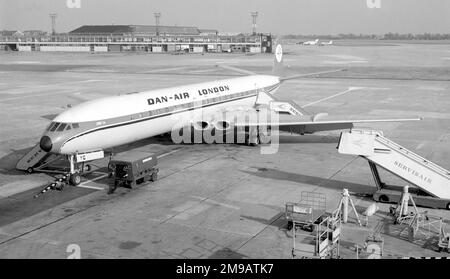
(46, 144)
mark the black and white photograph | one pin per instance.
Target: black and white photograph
(232, 130)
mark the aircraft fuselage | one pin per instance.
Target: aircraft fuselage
(116, 120)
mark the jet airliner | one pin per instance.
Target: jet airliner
(84, 131)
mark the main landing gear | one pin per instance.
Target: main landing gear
(254, 136)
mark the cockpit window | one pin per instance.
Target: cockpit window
(54, 126)
(50, 125)
(58, 126)
(61, 127)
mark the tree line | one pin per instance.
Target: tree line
(387, 36)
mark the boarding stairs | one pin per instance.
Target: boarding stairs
(380, 151)
(36, 160)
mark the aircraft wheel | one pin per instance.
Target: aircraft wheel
(252, 143)
(75, 179)
(448, 206)
(30, 170)
(257, 142)
(383, 198)
(264, 138)
(87, 168)
(289, 225)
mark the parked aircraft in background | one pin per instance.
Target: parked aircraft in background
(311, 43)
(326, 43)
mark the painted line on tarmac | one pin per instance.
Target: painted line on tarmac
(29, 96)
(47, 94)
(24, 62)
(208, 200)
(421, 144)
(350, 89)
(164, 70)
(83, 185)
(90, 187)
(168, 153)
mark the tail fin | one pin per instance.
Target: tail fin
(278, 68)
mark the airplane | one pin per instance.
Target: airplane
(326, 44)
(84, 131)
(311, 43)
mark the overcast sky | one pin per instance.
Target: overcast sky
(275, 16)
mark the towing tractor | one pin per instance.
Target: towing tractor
(131, 168)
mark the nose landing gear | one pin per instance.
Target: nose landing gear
(73, 177)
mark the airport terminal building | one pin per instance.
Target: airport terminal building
(142, 38)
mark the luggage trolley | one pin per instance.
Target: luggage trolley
(310, 216)
(309, 211)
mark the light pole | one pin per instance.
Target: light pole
(254, 16)
(157, 16)
(53, 17)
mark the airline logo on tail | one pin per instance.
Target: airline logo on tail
(279, 53)
(278, 69)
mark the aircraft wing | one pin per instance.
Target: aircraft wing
(310, 124)
(299, 124)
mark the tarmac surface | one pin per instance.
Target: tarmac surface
(216, 201)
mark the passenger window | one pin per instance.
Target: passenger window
(68, 127)
(61, 127)
(75, 125)
(54, 127)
